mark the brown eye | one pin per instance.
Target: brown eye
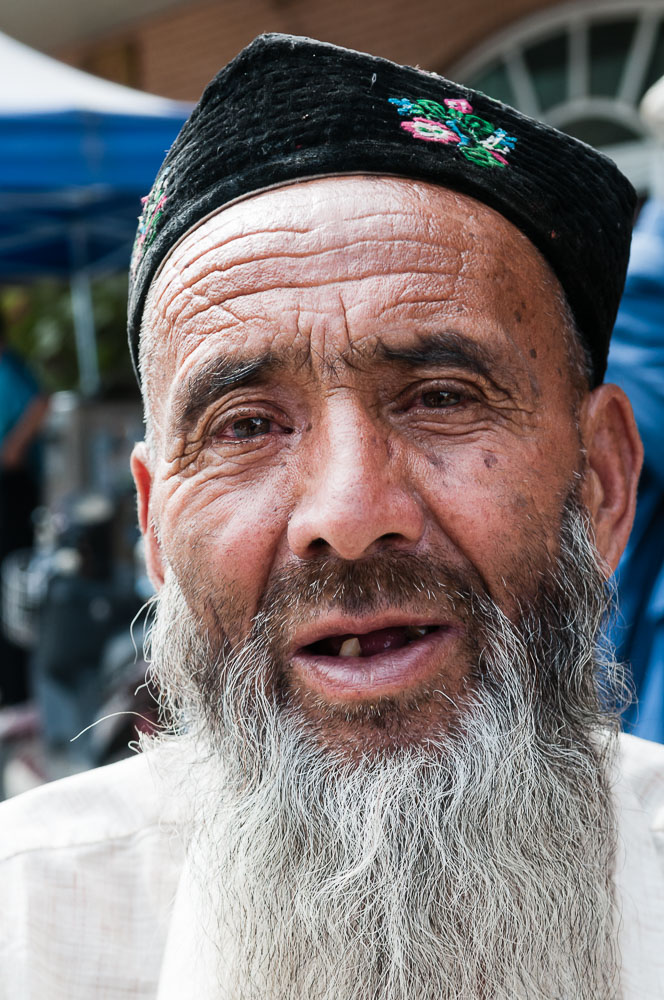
(249, 427)
(440, 398)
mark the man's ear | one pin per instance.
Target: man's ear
(141, 471)
(614, 455)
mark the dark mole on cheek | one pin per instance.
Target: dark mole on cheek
(517, 316)
(489, 460)
(533, 352)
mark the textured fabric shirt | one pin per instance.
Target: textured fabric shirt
(97, 902)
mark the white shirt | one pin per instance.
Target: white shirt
(96, 901)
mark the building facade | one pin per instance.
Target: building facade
(581, 66)
(176, 51)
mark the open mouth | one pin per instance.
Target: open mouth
(381, 640)
(355, 666)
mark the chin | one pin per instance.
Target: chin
(382, 724)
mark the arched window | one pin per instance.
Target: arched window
(582, 67)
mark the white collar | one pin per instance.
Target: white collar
(640, 893)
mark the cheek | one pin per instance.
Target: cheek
(222, 541)
(501, 510)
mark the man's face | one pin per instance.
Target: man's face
(352, 381)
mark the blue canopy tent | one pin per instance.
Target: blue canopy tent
(76, 155)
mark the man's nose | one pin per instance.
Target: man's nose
(357, 496)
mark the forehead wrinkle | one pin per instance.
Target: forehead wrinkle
(171, 279)
(197, 272)
(351, 253)
(317, 282)
(164, 289)
(249, 215)
(208, 232)
(202, 295)
(182, 257)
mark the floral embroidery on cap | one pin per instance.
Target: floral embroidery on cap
(430, 130)
(453, 123)
(153, 209)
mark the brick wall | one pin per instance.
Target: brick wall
(177, 52)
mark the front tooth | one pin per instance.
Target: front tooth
(416, 631)
(350, 647)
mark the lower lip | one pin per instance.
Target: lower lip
(389, 674)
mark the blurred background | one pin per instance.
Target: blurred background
(91, 97)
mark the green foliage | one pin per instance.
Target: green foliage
(39, 325)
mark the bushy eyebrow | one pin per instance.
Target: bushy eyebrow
(449, 348)
(216, 379)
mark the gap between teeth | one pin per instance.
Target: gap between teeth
(351, 647)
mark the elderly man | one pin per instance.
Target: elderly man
(382, 490)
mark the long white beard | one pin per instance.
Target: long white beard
(478, 866)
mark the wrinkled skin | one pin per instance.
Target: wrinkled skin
(343, 450)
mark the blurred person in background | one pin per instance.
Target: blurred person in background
(22, 411)
(636, 363)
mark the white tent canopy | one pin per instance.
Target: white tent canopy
(31, 82)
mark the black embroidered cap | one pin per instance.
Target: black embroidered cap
(288, 109)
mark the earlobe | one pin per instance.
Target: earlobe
(614, 455)
(141, 471)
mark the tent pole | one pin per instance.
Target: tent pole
(84, 332)
(84, 321)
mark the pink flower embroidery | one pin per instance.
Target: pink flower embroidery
(459, 104)
(452, 124)
(430, 131)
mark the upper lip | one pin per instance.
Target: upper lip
(334, 625)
